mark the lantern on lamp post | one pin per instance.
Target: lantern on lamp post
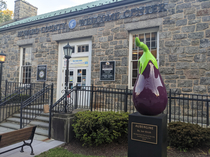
(67, 52)
(2, 60)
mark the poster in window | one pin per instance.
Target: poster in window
(107, 71)
(42, 73)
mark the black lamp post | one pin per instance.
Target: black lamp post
(67, 52)
(2, 60)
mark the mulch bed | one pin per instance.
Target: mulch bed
(195, 152)
(120, 149)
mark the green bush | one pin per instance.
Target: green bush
(95, 128)
(185, 135)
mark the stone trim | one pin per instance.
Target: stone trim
(144, 24)
(74, 35)
(25, 42)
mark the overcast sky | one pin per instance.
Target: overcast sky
(45, 6)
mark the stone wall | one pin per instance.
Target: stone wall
(24, 9)
(184, 53)
(44, 52)
(185, 46)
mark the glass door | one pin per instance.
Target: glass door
(81, 77)
(83, 94)
(78, 76)
(71, 78)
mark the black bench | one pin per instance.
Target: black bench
(16, 136)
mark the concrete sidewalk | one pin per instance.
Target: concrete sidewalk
(38, 147)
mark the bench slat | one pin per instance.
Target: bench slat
(15, 136)
(5, 142)
(20, 130)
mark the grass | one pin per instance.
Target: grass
(60, 152)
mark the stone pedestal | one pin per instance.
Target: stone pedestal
(62, 129)
(147, 135)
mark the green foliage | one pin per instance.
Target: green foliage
(185, 135)
(95, 128)
(5, 15)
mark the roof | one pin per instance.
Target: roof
(59, 13)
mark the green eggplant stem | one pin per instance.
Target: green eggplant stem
(146, 57)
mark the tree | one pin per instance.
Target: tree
(3, 5)
(6, 15)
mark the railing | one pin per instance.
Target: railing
(33, 106)
(190, 108)
(111, 99)
(11, 103)
(15, 94)
(13, 87)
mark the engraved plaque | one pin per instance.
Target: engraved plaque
(107, 71)
(144, 133)
(41, 72)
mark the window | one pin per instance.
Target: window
(26, 65)
(83, 48)
(150, 38)
(72, 49)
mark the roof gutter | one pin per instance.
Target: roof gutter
(98, 8)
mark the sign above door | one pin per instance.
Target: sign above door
(77, 62)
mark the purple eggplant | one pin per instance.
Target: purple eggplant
(149, 93)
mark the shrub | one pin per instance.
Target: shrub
(95, 128)
(185, 135)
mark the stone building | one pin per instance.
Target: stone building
(102, 34)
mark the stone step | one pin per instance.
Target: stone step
(42, 132)
(10, 125)
(4, 130)
(33, 108)
(12, 119)
(34, 112)
(40, 137)
(40, 124)
(41, 118)
(45, 114)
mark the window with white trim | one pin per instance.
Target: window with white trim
(150, 38)
(83, 48)
(26, 65)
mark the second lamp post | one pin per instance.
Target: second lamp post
(67, 52)
(2, 60)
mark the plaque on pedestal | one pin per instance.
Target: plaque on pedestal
(147, 136)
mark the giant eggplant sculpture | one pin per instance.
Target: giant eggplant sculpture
(149, 93)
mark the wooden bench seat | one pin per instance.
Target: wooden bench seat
(16, 136)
